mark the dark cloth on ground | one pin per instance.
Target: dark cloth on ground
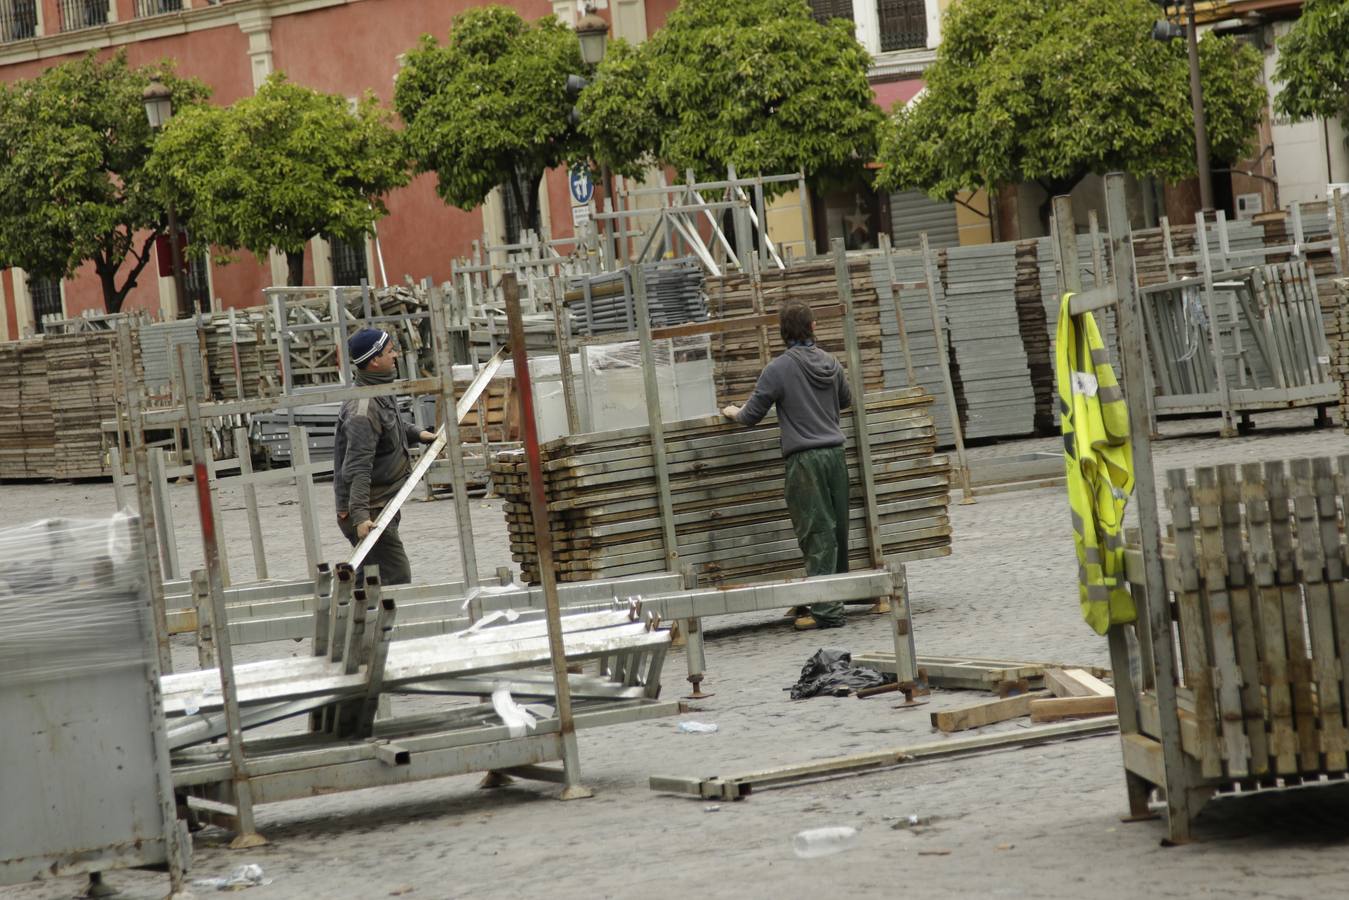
(832, 672)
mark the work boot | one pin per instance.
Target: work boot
(881, 607)
(805, 623)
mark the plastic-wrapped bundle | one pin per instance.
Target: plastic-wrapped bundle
(70, 599)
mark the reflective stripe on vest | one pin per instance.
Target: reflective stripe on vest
(1095, 425)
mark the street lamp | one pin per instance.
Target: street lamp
(593, 33)
(1165, 31)
(158, 100)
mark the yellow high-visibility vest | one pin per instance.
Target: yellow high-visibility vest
(1095, 425)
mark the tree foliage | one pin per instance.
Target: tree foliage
(1052, 90)
(490, 106)
(74, 142)
(1314, 62)
(758, 84)
(279, 167)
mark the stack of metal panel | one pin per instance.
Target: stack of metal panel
(1339, 348)
(726, 484)
(271, 432)
(909, 270)
(986, 334)
(159, 343)
(81, 389)
(674, 295)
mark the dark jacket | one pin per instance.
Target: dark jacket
(370, 455)
(808, 387)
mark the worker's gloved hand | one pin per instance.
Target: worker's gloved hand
(427, 437)
(364, 528)
(731, 412)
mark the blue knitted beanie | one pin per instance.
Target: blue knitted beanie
(366, 344)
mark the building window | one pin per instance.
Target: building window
(18, 20)
(825, 10)
(196, 283)
(46, 296)
(903, 24)
(76, 14)
(147, 8)
(854, 214)
(348, 257)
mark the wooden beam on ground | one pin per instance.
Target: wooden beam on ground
(1076, 683)
(980, 714)
(1056, 708)
(737, 787)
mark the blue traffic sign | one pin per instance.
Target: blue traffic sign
(582, 188)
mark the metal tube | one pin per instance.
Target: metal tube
(245, 455)
(1229, 426)
(887, 251)
(144, 500)
(168, 542)
(859, 406)
(655, 423)
(562, 330)
(1197, 103)
(468, 556)
(944, 363)
(243, 797)
(538, 503)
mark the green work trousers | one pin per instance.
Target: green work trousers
(817, 501)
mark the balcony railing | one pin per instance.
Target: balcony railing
(903, 24)
(824, 10)
(18, 20)
(77, 14)
(147, 8)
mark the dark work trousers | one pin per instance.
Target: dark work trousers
(817, 501)
(387, 553)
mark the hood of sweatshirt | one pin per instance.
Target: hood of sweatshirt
(819, 367)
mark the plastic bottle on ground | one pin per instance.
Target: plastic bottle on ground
(815, 842)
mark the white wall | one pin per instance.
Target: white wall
(1307, 155)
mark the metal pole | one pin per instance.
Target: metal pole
(1229, 419)
(243, 450)
(1197, 103)
(144, 500)
(543, 539)
(243, 795)
(1157, 609)
(654, 421)
(562, 330)
(944, 363)
(887, 251)
(440, 333)
(1341, 210)
(859, 405)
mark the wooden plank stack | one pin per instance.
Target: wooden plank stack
(1339, 347)
(1257, 569)
(727, 495)
(26, 432)
(1036, 337)
(83, 394)
(740, 356)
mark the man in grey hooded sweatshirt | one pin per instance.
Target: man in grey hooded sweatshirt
(809, 387)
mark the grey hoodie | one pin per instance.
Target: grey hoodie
(809, 388)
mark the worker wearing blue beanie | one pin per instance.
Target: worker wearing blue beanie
(370, 456)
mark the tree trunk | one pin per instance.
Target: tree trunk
(295, 268)
(112, 297)
(1055, 188)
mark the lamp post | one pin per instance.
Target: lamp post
(593, 33)
(1165, 31)
(158, 110)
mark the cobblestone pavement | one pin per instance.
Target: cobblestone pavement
(1041, 822)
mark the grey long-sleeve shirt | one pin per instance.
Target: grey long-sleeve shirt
(809, 388)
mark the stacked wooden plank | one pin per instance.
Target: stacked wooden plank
(726, 483)
(740, 356)
(1036, 338)
(83, 394)
(244, 345)
(1339, 348)
(980, 285)
(1067, 694)
(26, 432)
(1256, 569)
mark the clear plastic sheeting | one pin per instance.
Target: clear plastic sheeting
(614, 386)
(70, 599)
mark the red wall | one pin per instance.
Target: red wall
(345, 49)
